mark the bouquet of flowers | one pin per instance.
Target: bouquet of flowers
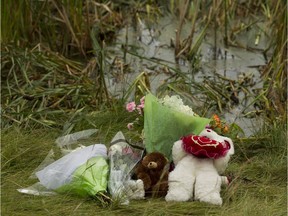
(82, 170)
(123, 158)
(164, 121)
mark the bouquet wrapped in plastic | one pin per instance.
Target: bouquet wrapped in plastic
(83, 170)
(122, 159)
(166, 121)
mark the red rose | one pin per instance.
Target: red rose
(204, 147)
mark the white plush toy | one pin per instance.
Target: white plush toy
(196, 174)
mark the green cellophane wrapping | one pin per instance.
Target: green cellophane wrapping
(89, 178)
(163, 126)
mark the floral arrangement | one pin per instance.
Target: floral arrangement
(160, 122)
(174, 102)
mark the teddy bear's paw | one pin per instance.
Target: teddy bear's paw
(177, 196)
(140, 184)
(214, 199)
(136, 190)
(140, 189)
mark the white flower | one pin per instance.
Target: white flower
(176, 103)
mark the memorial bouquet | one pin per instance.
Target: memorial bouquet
(163, 121)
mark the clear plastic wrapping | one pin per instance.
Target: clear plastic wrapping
(81, 169)
(122, 159)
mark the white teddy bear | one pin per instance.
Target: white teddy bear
(198, 176)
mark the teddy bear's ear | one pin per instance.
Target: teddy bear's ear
(144, 157)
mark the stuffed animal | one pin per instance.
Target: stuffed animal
(198, 162)
(153, 171)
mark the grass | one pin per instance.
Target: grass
(258, 169)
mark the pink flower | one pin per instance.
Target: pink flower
(142, 101)
(130, 107)
(140, 108)
(130, 126)
(127, 150)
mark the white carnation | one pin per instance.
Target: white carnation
(176, 103)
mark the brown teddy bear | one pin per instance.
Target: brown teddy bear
(152, 170)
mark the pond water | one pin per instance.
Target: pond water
(150, 50)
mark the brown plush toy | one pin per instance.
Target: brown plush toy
(152, 170)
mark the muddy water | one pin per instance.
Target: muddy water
(150, 50)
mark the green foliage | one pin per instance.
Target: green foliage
(275, 73)
(38, 84)
(64, 26)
